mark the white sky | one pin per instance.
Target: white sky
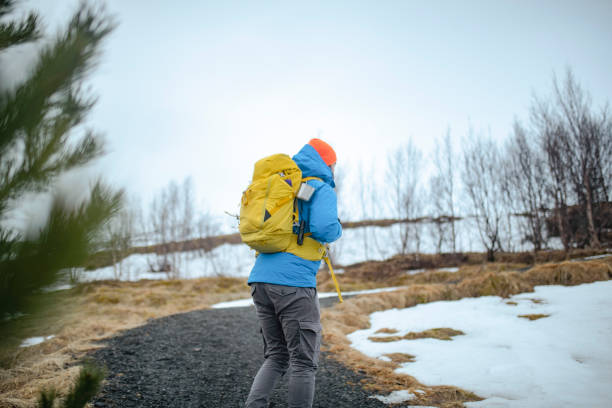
(206, 88)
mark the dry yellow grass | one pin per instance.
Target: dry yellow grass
(401, 358)
(470, 281)
(90, 313)
(440, 333)
(533, 316)
(568, 273)
(95, 311)
(385, 330)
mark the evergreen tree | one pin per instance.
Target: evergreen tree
(41, 138)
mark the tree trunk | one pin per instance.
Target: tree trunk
(453, 234)
(563, 234)
(594, 240)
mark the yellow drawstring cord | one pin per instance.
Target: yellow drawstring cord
(331, 271)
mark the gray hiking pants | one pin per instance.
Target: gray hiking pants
(291, 330)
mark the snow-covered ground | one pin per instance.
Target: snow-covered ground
(356, 245)
(225, 260)
(563, 360)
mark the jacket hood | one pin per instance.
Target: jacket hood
(312, 165)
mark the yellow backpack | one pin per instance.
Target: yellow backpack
(269, 209)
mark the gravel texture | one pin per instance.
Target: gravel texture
(207, 358)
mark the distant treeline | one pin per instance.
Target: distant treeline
(547, 186)
(549, 179)
(554, 171)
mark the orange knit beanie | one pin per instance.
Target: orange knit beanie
(325, 151)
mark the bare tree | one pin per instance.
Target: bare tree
(172, 217)
(442, 189)
(573, 111)
(483, 182)
(159, 218)
(417, 219)
(552, 137)
(403, 171)
(438, 229)
(207, 228)
(578, 145)
(364, 190)
(186, 219)
(526, 181)
(120, 233)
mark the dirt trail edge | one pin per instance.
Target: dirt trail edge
(207, 358)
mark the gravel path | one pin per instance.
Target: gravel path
(207, 358)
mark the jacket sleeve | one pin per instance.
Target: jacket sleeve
(324, 224)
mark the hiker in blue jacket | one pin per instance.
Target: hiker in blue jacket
(283, 287)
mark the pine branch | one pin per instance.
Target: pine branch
(88, 149)
(46, 398)
(86, 387)
(37, 118)
(47, 154)
(67, 240)
(6, 7)
(59, 69)
(15, 33)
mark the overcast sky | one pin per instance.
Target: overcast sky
(208, 87)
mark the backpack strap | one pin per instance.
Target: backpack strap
(311, 178)
(296, 211)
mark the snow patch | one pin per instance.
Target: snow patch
(562, 360)
(395, 397)
(233, 303)
(57, 287)
(32, 341)
(417, 271)
(588, 258)
(224, 260)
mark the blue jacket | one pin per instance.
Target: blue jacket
(321, 218)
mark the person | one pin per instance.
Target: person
(283, 287)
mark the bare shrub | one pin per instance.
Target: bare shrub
(484, 185)
(403, 175)
(526, 182)
(568, 273)
(120, 236)
(503, 284)
(578, 147)
(370, 207)
(442, 195)
(172, 215)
